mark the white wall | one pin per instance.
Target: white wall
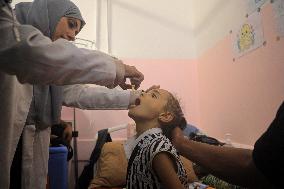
(182, 29)
(88, 10)
(138, 29)
(18, 1)
(159, 29)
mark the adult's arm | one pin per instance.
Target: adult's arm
(234, 165)
(36, 60)
(97, 98)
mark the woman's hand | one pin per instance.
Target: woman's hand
(135, 76)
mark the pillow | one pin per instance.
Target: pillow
(112, 167)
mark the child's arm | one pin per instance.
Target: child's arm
(164, 166)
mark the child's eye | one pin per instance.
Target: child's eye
(153, 95)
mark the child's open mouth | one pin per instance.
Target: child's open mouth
(136, 103)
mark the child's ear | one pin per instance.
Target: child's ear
(166, 117)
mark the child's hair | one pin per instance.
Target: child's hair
(179, 120)
(56, 138)
(58, 129)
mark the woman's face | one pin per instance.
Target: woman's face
(67, 28)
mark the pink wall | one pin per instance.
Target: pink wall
(177, 76)
(241, 97)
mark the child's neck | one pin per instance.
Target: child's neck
(142, 126)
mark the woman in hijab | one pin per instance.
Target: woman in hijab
(57, 19)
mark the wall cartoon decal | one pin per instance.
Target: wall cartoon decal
(248, 35)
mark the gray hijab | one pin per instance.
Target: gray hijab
(45, 14)
(45, 109)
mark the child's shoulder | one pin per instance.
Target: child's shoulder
(157, 142)
(154, 140)
(157, 137)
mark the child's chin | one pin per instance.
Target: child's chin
(134, 115)
(131, 114)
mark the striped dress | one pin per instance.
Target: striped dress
(140, 173)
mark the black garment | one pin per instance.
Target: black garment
(16, 167)
(88, 172)
(268, 153)
(5, 2)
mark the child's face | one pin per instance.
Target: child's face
(149, 105)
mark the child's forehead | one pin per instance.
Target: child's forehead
(161, 92)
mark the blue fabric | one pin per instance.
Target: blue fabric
(190, 129)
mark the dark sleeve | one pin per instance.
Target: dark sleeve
(268, 153)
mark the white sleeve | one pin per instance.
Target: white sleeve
(95, 97)
(37, 60)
